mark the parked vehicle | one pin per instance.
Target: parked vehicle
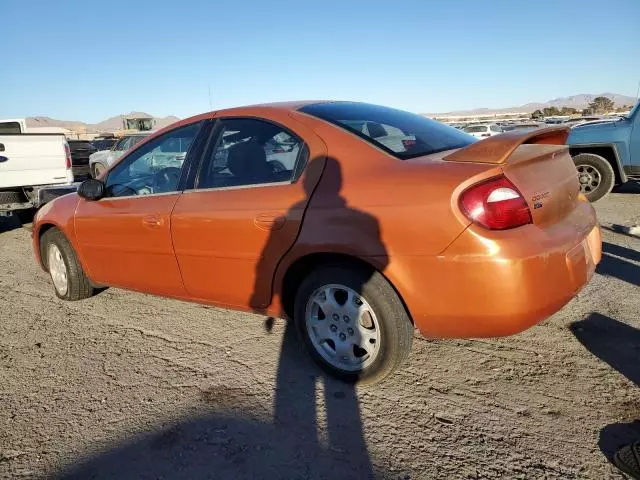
(358, 242)
(80, 152)
(484, 130)
(34, 168)
(606, 153)
(102, 160)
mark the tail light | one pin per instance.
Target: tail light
(495, 204)
(67, 153)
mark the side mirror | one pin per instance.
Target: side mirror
(91, 189)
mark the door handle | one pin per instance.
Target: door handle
(3, 159)
(269, 221)
(152, 221)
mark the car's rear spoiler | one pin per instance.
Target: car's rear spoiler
(498, 148)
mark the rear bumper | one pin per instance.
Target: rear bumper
(489, 284)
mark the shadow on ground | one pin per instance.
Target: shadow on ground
(9, 223)
(241, 438)
(617, 262)
(617, 344)
(632, 186)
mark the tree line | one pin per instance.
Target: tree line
(599, 105)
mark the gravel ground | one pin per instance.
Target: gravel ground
(126, 385)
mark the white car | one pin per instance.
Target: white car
(103, 159)
(482, 131)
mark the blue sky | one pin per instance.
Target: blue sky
(88, 60)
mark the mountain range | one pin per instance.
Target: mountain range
(109, 125)
(579, 102)
(575, 101)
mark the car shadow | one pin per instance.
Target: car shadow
(632, 186)
(235, 439)
(618, 345)
(617, 262)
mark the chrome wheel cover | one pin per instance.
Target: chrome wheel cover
(343, 327)
(57, 269)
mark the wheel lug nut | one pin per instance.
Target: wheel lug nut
(346, 318)
(333, 328)
(343, 337)
(350, 330)
(336, 317)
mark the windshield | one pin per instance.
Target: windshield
(476, 129)
(402, 134)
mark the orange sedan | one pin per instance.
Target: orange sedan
(355, 221)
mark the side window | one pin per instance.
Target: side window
(121, 146)
(155, 167)
(251, 152)
(495, 128)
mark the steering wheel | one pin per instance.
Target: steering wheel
(166, 180)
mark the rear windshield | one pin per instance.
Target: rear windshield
(476, 129)
(402, 134)
(10, 127)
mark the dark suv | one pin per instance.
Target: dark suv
(80, 151)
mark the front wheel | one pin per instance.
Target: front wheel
(352, 323)
(595, 175)
(60, 259)
(98, 169)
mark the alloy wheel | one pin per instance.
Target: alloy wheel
(343, 327)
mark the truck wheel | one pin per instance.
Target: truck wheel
(595, 175)
(11, 197)
(352, 323)
(69, 279)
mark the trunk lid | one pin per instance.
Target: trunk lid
(537, 163)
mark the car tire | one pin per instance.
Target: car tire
(375, 302)
(11, 197)
(60, 259)
(595, 174)
(97, 170)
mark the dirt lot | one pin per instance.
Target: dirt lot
(126, 385)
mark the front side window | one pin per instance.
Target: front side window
(402, 134)
(155, 167)
(251, 152)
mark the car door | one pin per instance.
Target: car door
(125, 237)
(244, 212)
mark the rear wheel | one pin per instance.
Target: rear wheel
(352, 323)
(595, 175)
(60, 259)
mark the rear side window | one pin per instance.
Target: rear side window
(251, 152)
(402, 134)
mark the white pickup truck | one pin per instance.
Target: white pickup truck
(34, 168)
